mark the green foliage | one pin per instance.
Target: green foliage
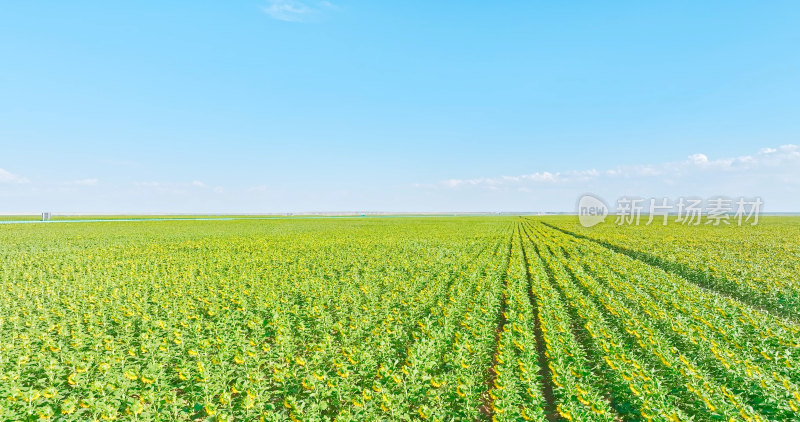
(450, 319)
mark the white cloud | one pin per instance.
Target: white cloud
(8, 177)
(775, 161)
(698, 158)
(296, 11)
(770, 173)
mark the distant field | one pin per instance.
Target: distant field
(121, 217)
(20, 217)
(457, 318)
(205, 216)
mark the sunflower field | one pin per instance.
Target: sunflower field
(418, 318)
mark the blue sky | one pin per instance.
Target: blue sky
(278, 105)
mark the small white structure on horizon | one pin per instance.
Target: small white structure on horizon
(45, 216)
